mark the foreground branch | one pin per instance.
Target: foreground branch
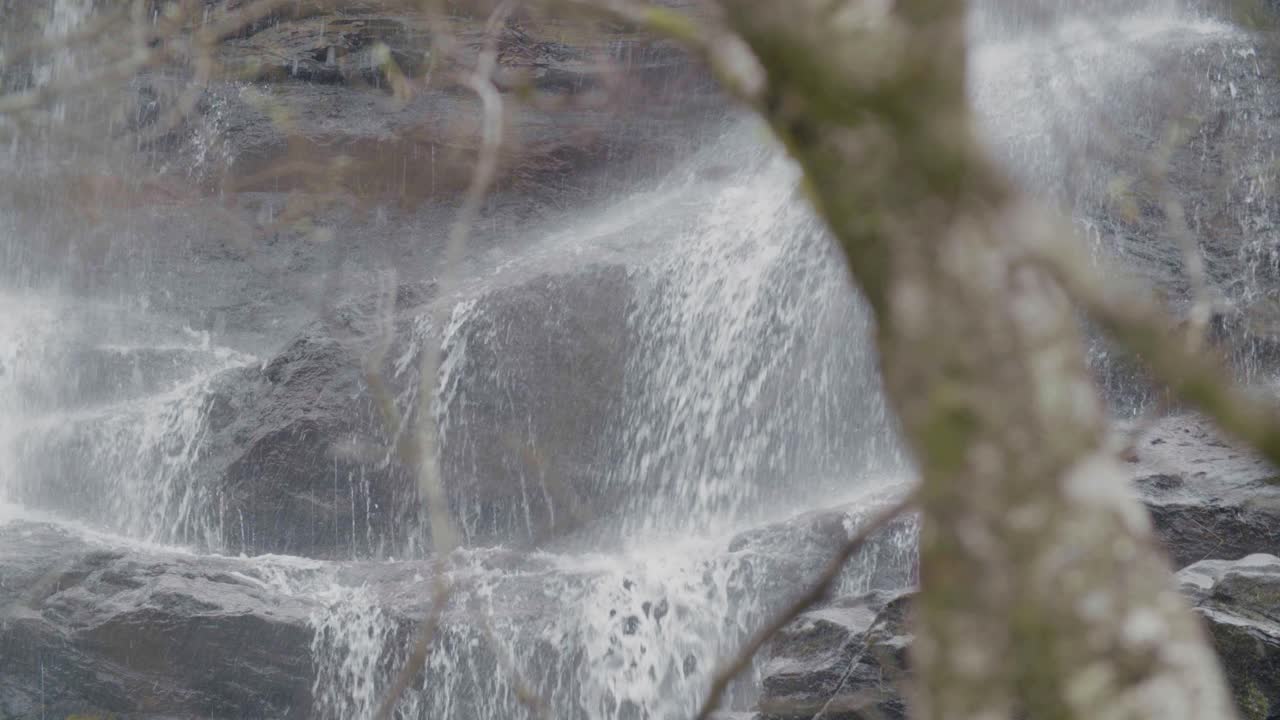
(430, 480)
(1043, 591)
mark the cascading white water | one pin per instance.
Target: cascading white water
(1054, 98)
(699, 436)
(626, 634)
(1150, 127)
(751, 395)
(104, 401)
(106, 421)
(754, 385)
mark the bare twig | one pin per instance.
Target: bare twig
(524, 694)
(481, 82)
(1143, 327)
(724, 52)
(422, 644)
(816, 593)
(443, 534)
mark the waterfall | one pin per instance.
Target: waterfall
(746, 433)
(754, 384)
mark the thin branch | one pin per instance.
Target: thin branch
(725, 53)
(523, 692)
(1144, 328)
(816, 593)
(481, 82)
(239, 18)
(422, 644)
(443, 534)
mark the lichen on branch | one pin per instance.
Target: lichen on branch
(1043, 592)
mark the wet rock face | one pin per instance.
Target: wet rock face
(293, 453)
(93, 629)
(539, 376)
(93, 626)
(360, 115)
(1163, 140)
(844, 661)
(304, 128)
(299, 451)
(328, 48)
(1240, 602)
(1199, 96)
(287, 463)
(888, 561)
(1208, 498)
(22, 20)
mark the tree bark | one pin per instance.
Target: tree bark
(1044, 593)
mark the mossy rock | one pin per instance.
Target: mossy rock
(1240, 600)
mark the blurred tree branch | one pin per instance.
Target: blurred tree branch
(429, 465)
(1043, 593)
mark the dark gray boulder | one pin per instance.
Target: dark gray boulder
(850, 656)
(340, 79)
(1240, 602)
(280, 457)
(1208, 498)
(90, 629)
(290, 454)
(93, 625)
(845, 661)
(298, 452)
(538, 375)
(787, 555)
